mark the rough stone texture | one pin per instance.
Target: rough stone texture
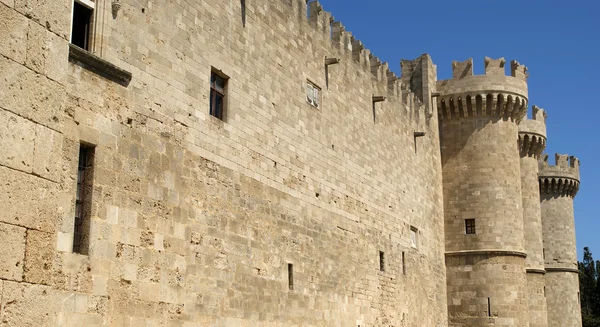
(536, 299)
(194, 220)
(12, 251)
(562, 296)
(38, 257)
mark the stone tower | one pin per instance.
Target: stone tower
(558, 186)
(532, 141)
(485, 254)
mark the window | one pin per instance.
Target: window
(81, 30)
(313, 94)
(218, 87)
(403, 264)
(413, 236)
(470, 226)
(83, 199)
(291, 276)
(381, 261)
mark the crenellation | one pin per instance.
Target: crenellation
(495, 66)
(517, 70)
(320, 18)
(462, 69)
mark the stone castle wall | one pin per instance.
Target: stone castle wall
(195, 220)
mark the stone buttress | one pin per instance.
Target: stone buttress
(532, 141)
(485, 264)
(558, 186)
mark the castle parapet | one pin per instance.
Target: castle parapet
(561, 179)
(532, 134)
(493, 94)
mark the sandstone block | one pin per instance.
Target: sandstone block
(51, 14)
(16, 141)
(47, 154)
(36, 47)
(31, 95)
(12, 251)
(38, 257)
(27, 200)
(27, 305)
(13, 28)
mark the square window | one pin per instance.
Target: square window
(81, 28)
(470, 226)
(313, 94)
(218, 88)
(413, 236)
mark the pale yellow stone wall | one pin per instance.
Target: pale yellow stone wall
(194, 220)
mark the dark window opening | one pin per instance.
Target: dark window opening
(403, 264)
(381, 261)
(291, 276)
(470, 226)
(81, 31)
(243, 5)
(83, 200)
(489, 308)
(218, 86)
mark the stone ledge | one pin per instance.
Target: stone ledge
(535, 271)
(486, 252)
(98, 65)
(572, 270)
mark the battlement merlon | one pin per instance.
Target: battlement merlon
(501, 95)
(419, 76)
(320, 18)
(536, 125)
(566, 167)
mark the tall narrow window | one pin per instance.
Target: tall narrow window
(83, 199)
(489, 307)
(381, 261)
(470, 226)
(413, 237)
(218, 86)
(403, 264)
(291, 276)
(243, 5)
(81, 29)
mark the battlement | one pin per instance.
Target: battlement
(493, 94)
(354, 50)
(561, 178)
(532, 134)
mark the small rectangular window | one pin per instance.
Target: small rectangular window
(291, 276)
(313, 94)
(470, 226)
(218, 88)
(413, 236)
(81, 29)
(381, 261)
(83, 199)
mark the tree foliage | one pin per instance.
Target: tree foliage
(589, 286)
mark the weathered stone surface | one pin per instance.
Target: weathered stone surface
(27, 200)
(16, 141)
(39, 254)
(12, 252)
(13, 28)
(47, 153)
(51, 14)
(27, 305)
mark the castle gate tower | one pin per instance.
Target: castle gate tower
(558, 186)
(532, 141)
(485, 255)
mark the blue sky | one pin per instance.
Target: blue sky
(559, 42)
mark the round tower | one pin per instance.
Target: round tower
(485, 255)
(558, 186)
(532, 141)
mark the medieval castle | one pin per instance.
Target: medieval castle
(250, 163)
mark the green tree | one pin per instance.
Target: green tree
(587, 282)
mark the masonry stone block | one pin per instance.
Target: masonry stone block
(50, 14)
(16, 141)
(28, 305)
(39, 255)
(12, 252)
(47, 153)
(28, 201)
(13, 27)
